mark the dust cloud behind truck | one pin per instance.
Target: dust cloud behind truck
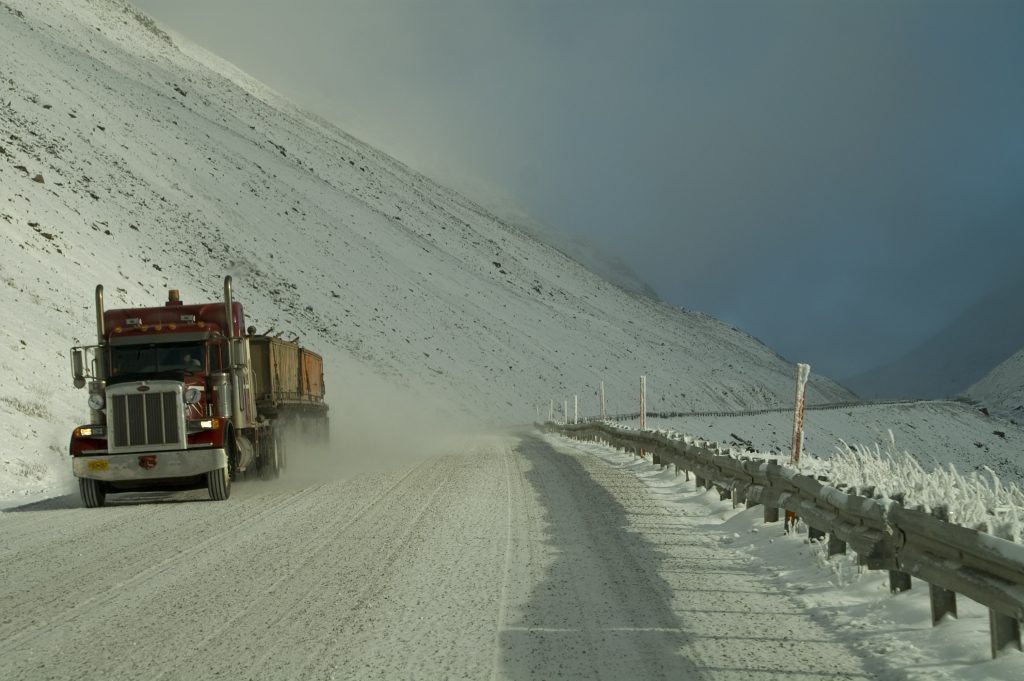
(183, 397)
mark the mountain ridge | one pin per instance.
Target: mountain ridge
(955, 357)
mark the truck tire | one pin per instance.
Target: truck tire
(93, 494)
(218, 482)
(270, 465)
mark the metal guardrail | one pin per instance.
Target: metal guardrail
(885, 536)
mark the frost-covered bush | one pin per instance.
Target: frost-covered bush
(978, 499)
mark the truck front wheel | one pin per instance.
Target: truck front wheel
(218, 482)
(270, 465)
(93, 494)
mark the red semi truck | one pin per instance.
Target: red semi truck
(184, 397)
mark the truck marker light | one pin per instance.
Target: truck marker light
(188, 318)
(172, 326)
(134, 321)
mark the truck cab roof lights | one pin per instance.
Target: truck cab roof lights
(188, 318)
(134, 321)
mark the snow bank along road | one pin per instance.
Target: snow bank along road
(510, 559)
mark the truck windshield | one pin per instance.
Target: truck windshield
(157, 359)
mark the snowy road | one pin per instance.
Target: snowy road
(511, 559)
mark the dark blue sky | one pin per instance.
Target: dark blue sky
(838, 178)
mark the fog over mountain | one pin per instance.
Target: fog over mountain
(982, 336)
(838, 179)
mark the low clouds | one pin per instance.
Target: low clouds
(839, 179)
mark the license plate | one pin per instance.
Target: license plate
(99, 465)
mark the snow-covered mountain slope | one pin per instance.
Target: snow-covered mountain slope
(135, 160)
(956, 356)
(1002, 389)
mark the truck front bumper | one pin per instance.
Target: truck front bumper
(180, 463)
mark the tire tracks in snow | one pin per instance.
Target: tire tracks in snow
(28, 634)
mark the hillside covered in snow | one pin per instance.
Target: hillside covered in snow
(1002, 389)
(133, 159)
(957, 356)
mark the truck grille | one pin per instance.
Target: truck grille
(141, 419)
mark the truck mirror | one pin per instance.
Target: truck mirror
(78, 361)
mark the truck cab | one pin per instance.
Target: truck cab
(170, 398)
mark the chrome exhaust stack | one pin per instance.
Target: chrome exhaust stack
(100, 327)
(229, 316)
(237, 359)
(101, 340)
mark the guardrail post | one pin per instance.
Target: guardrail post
(1005, 632)
(898, 581)
(771, 510)
(836, 545)
(943, 601)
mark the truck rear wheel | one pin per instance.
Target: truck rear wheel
(218, 482)
(93, 494)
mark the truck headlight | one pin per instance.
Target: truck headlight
(192, 395)
(96, 401)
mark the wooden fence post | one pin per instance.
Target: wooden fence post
(643, 403)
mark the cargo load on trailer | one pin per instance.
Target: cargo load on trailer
(184, 397)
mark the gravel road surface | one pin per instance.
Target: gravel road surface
(510, 558)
